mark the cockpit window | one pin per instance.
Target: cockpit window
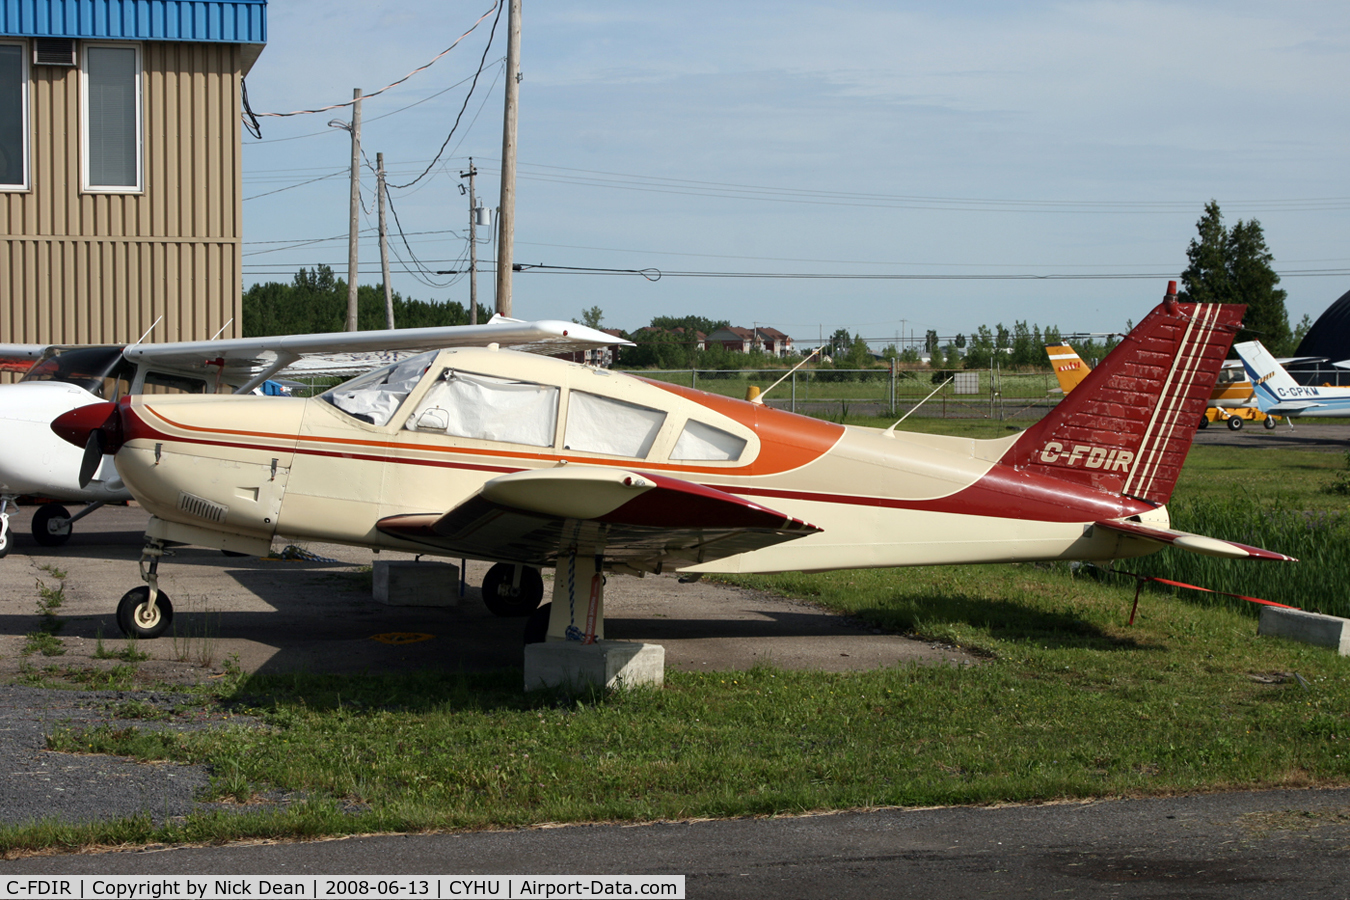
(488, 409)
(598, 424)
(375, 396)
(699, 441)
(96, 369)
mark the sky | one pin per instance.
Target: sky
(936, 166)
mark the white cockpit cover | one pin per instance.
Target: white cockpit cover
(379, 394)
(699, 441)
(601, 425)
(493, 409)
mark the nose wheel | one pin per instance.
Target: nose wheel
(137, 617)
(51, 525)
(146, 611)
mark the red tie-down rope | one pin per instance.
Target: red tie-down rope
(1140, 579)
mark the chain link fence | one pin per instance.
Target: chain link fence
(835, 393)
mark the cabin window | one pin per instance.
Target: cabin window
(112, 117)
(600, 425)
(376, 396)
(703, 442)
(488, 409)
(13, 117)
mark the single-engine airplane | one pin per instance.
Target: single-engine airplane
(33, 461)
(1231, 401)
(1279, 394)
(530, 462)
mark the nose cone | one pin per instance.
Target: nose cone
(75, 426)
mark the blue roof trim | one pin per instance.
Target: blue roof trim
(225, 21)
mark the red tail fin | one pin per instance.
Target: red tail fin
(1127, 428)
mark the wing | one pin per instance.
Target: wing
(1195, 543)
(240, 360)
(20, 357)
(642, 520)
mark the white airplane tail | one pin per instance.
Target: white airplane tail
(1268, 377)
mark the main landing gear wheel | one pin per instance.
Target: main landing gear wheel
(1204, 423)
(51, 525)
(137, 619)
(1234, 423)
(1269, 423)
(504, 599)
(536, 626)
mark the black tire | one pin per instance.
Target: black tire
(1269, 423)
(1234, 423)
(1204, 423)
(6, 543)
(51, 525)
(536, 626)
(133, 624)
(502, 599)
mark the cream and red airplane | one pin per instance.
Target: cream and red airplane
(531, 462)
(34, 462)
(1232, 399)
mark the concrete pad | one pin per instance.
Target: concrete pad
(402, 583)
(608, 664)
(1310, 628)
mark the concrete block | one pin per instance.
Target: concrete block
(416, 583)
(602, 664)
(1310, 628)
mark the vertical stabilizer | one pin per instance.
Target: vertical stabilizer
(1127, 427)
(1266, 374)
(1069, 367)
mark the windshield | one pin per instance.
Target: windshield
(93, 368)
(376, 396)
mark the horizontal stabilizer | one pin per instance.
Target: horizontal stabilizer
(645, 519)
(1195, 543)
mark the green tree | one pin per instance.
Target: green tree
(316, 302)
(591, 318)
(1234, 266)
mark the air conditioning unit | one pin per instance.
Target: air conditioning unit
(54, 52)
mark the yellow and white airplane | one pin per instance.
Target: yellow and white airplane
(1232, 399)
(34, 462)
(531, 462)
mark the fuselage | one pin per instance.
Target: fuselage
(36, 461)
(309, 469)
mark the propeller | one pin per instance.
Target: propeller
(97, 428)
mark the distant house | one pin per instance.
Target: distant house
(120, 167)
(774, 342)
(743, 340)
(738, 340)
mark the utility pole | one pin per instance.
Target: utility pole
(506, 215)
(473, 245)
(384, 244)
(355, 209)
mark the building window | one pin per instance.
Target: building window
(13, 117)
(112, 117)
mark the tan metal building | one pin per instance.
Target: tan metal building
(121, 168)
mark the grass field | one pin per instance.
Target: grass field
(1067, 701)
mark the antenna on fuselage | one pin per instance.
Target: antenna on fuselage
(757, 396)
(890, 432)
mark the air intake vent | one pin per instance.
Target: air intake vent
(54, 52)
(201, 508)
